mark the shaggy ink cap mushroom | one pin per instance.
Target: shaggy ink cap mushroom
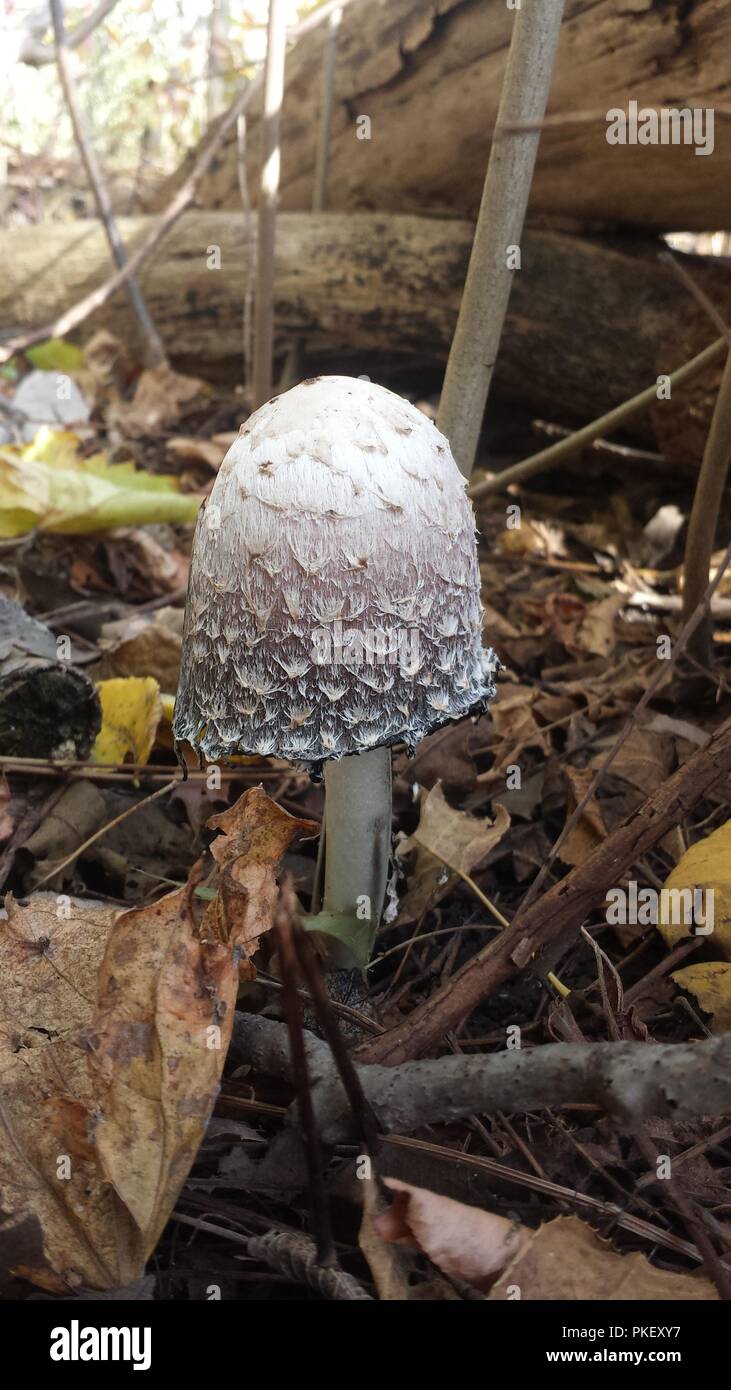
(333, 604)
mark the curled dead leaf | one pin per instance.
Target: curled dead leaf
(113, 1033)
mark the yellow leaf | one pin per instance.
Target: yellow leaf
(49, 485)
(131, 711)
(706, 865)
(710, 983)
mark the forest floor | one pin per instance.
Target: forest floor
(581, 589)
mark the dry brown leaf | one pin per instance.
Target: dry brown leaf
(513, 716)
(566, 1260)
(463, 1241)
(113, 1033)
(531, 538)
(161, 397)
(164, 570)
(143, 645)
(256, 835)
(645, 760)
(589, 830)
(445, 756)
(444, 837)
(563, 615)
(597, 633)
(388, 1267)
(205, 451)
(496, 623)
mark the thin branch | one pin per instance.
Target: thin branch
(710, 485)
(290, 1253)
(363, 1116)
(268, 198)
(155, 350)
(241, 141)
(627, 1079)
(536, 29)
(693, 1220)
(284, 928)
(36, 54)
(562, 909)
(704, 516)
(131, 811)
(293, 368)
(604, 425)
(691, 625)
(326, 106)
(71, 319)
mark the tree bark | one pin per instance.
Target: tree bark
(588, 325)
(428, 76)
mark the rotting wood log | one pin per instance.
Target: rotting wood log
(427, 76)
(589, 322)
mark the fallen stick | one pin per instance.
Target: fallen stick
(632, 1080)
(563, 908)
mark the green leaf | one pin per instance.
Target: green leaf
(56, 356)
(49, 485)
(348, 940)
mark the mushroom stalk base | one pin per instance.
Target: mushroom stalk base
(358, 835)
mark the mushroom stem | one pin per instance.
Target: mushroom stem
(358, 835)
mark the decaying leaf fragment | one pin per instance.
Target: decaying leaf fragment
(565, 1259)
(445, 837)
(562, 1259)
(462, 1241)
(113, 1032)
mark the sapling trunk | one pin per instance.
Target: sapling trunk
(536, 30)
(704, 518)
(358, 836)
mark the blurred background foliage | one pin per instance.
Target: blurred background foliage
(150, 79)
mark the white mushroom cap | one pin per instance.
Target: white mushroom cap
(333, 603)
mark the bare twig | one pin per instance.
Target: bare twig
(660, 677)
(624, 1078)
(284, 927)
(155, 349)
(104, 829)
(537, 25)
(241, 139)
(710, 486)
(290, 1253)
(693, 1222)
(363, 1115)
(268, 197)
(562, 909)
(37, 54)
(294, 362)
(604, 425)
(326, 106)
(704, 517)
(73, 317)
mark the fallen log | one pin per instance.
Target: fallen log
(588, 324)
(421, 82)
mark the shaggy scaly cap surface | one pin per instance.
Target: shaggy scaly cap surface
(333, 603)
